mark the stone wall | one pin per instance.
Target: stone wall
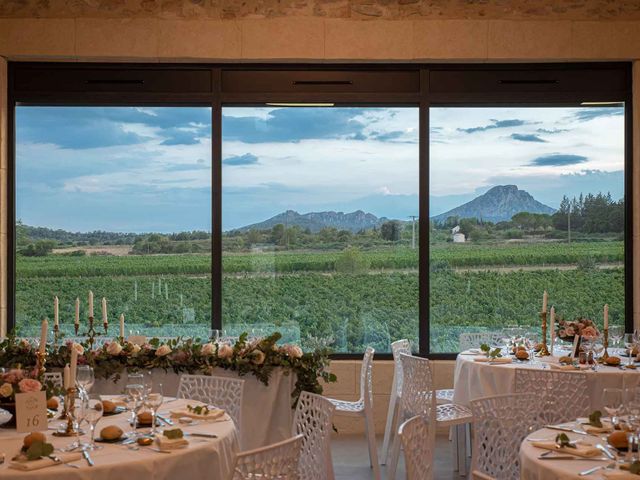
(351, 9)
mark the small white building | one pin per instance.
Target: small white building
(457, 236)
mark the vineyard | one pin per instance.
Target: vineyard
(371, 307)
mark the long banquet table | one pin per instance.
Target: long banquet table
(267, 415)
(473, 380)
(210, 458)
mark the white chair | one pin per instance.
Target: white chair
(313, 420)
(476, 475)
(54, 377)
(221, 392)
(363, 407)
(469, 340)
(418, 440)
(563, 396)
(273, 462)
(418, 398)
(501, 424)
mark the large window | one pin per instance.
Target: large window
(116, 200)
(523, 200)
(319, 220)
(340, 205)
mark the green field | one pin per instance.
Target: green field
(373, 306)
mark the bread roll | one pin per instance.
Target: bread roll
(618, 439)
(614, 361)
(522, 355)
(34, 437)
(108, 406)
(144, 418)
(112, 432)
(52, 403)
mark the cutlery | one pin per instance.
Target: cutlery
(86, 456)
(164, 419)
(595, 469)
(55, 459)
(565, 429)
(159, 451)
(605, 451)
(204, 435)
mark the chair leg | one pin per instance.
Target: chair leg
(391, 413)
(459, 446)
(395, 457)
(371, 440)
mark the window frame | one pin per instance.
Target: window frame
(218, 85)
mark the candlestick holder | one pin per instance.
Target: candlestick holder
(69, 404)
(605, 343)
(105, 325)
(91, 334)
(544, 351)
(76, 327)
(41, 360)
(56, 332)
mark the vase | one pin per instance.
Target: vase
(10, 409)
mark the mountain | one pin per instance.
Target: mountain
(315, 221)
(498, 204)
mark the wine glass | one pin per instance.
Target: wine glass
(134, 398)
(85, 377)
(77, 412)
(147, 382)
(531, 341)
(629, 343)
(215, 334)
(505, 338)
(93, 415)
(612, 401)
(597, 347)
(153, 402)
(616, 332)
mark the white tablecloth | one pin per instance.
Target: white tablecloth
(266, 410)
(474, 380)
(531, 468)
(203, 458)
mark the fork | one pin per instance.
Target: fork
(595, 469)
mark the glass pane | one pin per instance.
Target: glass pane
(319, 224)
(116, 200)
(523, 200)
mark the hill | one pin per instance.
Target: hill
(498, 204)
(316, 221)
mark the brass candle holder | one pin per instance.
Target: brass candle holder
(605, 343)
(56, 332)
(544, 351)
(69, 404)
(91, 334)
(41, 360)
(105, 325)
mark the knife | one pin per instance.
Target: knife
(606, 451)
(165, 420)
(86, 456)
(204, 435)
(565, 429)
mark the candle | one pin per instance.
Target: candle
(553, 327)
(65, 383)
(43, 335)
(90, 304)
(606, 316)
(77, 318)
(545, 300)
(56, 305)
(74, 367)
(122, 325)
(104, 310)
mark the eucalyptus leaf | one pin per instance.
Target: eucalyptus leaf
(173, 434)
(38, 450)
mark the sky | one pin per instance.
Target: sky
(148, 169)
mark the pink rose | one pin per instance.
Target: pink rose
(225, 351)
(589, 332)
(570, 331)
(163, 350)
(14, 376)
(27, 385)
(208, 349)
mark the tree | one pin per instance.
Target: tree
(390, 231)
(39, 249)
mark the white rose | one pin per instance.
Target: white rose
(257, 357)
(114, 348)
(295, 351)
(79, 348)
(6, 390)
(163, 350)
(208, 349)
(225, 351)
(135, 348)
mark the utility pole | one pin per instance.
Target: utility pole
(413, 230)
(569, 223)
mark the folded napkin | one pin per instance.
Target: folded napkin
(472, 351)
(165, 443)
(585, 451)
(214, 414)
(493, 360)
(557, 366)
(606, 427)
(30, 465)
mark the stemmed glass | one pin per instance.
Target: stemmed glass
(93, 415)
(597, 347)
(85, 378)
(153, 402)
(531, 341)
(612, 401)
(633, 419)
(506, 338)
(629, 342)
(77, 414)
(135, 393)
(616, 332)
(587, 345)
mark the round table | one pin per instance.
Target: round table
(474, 380)
(202, 458)
(532, 468)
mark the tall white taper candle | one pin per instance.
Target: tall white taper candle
(43, 335)
(545, 301)
(76, 320)
(122, 325)
(65, 382)
(104, 310)
(90, 303)
(606, 316)
(56, 310)
(74, 367)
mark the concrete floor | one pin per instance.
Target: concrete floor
(351, 459)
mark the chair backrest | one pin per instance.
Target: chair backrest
(563, 395)
(397, 348)
(418, 439)
(417, 388)
(277, 461)
(313, 420)
(366, 377)
(501, 423)
(54, 377)
(221, 392)
(469, 340)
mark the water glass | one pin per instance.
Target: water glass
(215, 334)
(616, 332)
(153, 402)
(85, 377)
(597, 347)
(93, 415)
(612, 400)
(629, 343)
(531, 341)
(134, 396)
(77, 412)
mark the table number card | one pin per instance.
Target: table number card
(575, 351)
(31, 411)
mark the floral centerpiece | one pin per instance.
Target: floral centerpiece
(568, 329)
(15, 381)
(258, 357)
